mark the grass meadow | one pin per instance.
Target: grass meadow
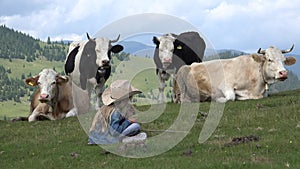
(63, 144)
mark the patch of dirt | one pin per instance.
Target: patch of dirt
(241, 140)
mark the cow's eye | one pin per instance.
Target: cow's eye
(270, 60)
(39, 83)
(53, 83)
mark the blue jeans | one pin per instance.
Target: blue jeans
(131, 130)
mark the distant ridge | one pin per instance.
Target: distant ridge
(135, 48)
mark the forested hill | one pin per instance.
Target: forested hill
(17, 45)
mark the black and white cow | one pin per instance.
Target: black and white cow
(88, 63)
(173, 51)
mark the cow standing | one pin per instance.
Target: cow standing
(173, 51)
(53, 99)
(88, 64)
(241, 78)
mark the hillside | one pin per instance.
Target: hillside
(17, 45)
(271, 124)
(24, 56)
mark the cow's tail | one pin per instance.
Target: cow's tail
(179, 83)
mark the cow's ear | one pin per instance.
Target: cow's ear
(155, 41)
(32, 81)
(290, 61)
(61, 79)
(117, 48)
(257, 58)
(177, 45)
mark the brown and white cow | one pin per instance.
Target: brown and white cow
(88, 63)
(53, 99)
(241, 78)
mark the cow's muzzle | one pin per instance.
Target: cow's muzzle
(101, 71)
(44, 98)
(283, 75)
(105, 63)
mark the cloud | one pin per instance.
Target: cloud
(87, 9)
(20, 7)
(243, 25)
(247, 26)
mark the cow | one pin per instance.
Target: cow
(173, 51)
(88, 64)
(241, 78)
(53, 99)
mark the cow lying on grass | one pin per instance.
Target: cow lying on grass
(241, 78)
(53, 99)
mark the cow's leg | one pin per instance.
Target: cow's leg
(161, 89)
(224, 93)
(99, 93)
(33, 116)
(180, 92)
(176, 92)
(42, 108)
(229, 94)
(163, 77)
(19, 119)
(72, 112)
(249, 96)
(221, 99)
(91, 87)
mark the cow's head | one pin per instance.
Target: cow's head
(48, 81)
(103, 48)
(274, 61)
(166, 45)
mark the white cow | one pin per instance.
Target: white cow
(241, 78)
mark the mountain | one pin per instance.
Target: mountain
(137, 48)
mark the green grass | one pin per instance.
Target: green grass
(20, 66)
(11, 109)
(276, 120)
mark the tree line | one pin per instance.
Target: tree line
(17, 45)
(12, 88)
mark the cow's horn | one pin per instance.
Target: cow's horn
(88, 36)
(288, 50)
(261, 51)
(116, 40)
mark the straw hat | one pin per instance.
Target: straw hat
(118, 90)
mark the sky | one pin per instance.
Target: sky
(228, 24)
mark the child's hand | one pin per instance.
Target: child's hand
(132, 120)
